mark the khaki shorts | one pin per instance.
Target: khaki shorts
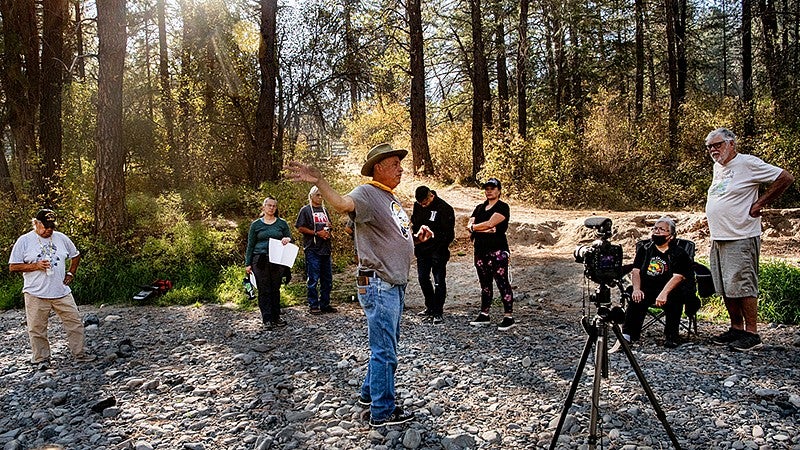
(734, 267)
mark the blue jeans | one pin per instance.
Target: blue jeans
(320, 272)
(436, 292)
(383, 305)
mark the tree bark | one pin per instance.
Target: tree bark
(638, 7)
(21, 77)
(6, 184)
(109, 208)
(419, 125)
(481, 100)
(747, 70)
(265, 111)
(501, 66)
(167, 108)
(522, 70)
(54, 20)
(672, 74)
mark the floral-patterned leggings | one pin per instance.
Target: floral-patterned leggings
(494, 267)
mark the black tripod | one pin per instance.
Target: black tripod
(597, 330)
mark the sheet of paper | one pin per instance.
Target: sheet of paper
(282, 254)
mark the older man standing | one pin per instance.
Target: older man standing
(733, 209)
(41, 255)
(385, 246)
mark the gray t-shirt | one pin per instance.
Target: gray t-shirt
(383, 233)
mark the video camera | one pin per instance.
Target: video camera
(602, 260)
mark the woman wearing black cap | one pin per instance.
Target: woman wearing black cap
(487, 228)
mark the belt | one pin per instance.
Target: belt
(367, 273)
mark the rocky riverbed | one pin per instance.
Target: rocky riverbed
(211, 378)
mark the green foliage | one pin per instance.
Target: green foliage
(451, 151)
(378, 121)
(779, 294)
(779, 297)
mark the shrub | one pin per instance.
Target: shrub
(779, 294)
(779, 285)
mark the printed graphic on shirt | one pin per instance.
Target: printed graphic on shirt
(401, 219)
(320, 217)
(720, 185)
(657, 266)
(48, 250)
(433, 216)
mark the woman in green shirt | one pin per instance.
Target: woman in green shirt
(268, 275)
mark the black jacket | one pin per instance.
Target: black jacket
(441, 219)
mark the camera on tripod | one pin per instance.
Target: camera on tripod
(602, 260)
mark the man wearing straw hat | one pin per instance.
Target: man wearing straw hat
(385, 246)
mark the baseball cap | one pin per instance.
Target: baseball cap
(47, 217)
(492, 182)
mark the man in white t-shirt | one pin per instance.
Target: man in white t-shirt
(733, 209)
(41, 255)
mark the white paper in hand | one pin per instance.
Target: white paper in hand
(253, 280)
(282, 254)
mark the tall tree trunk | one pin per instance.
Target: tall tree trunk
(109, 178)
(167, 109)
(80, 64)
(575, 97)
(350, 40)
(265, 111)
(775, 63)
(747, 70)
(419, 126)
(724, 48)
(672, 74)
(501, 65)
(481, 100)
(21, 77)
(522, 70)
(185, 115)
(54, 20)
(6, 184)
(638, 6)
(680, 50)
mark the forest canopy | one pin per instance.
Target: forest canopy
(575, 104)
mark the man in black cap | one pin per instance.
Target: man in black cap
(41, 255)
(433, 254)
(385, 246)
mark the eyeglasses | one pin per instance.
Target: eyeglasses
(715, 145)
(661, 229)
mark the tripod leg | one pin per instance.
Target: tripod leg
(650, 395)
(574, 386)
(600, 372)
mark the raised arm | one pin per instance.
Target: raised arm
(304, 172)
(774, 191)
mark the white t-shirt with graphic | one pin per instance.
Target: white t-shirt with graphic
(733, 191)
(31, 248)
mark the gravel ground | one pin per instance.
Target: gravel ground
(211, 378)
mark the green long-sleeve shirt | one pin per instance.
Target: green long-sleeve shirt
(259, 235)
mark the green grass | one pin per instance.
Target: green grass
(779, 296)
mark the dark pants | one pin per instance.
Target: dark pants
(494, 267)
(435, 292)
(268, 283)
(637, 312)
(320, 275)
